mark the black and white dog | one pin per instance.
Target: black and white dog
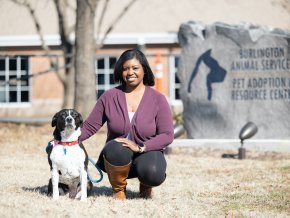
(67, 157)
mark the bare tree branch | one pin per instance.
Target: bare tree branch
(69, 6)
(72, 8)
(71, 29)
(92, 5)
(117, 19)
(104, 10)
(36, 23)
(63, 26)
(284, 4)
(13, 79)
(46, 49)
(64, 32)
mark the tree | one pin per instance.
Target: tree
(284, 4)
(85, 56)
(67, 76)
(78, 78)
(85, 92)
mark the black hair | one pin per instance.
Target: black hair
(128, 55)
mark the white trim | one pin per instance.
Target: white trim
(16, 105)
(172, 77)
(141, 38)
(112, 39)
(30, 82)
(28, 40)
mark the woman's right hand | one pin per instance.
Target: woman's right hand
(129, 144)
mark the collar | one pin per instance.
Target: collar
(68, 143)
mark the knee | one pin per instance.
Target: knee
(152, 175)
(112, 146)
(116, 154)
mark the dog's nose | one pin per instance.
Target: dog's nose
(68, 119)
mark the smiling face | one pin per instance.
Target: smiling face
(133, 73)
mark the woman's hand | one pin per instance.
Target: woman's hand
(129, 144)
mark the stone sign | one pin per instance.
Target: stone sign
(232, 74)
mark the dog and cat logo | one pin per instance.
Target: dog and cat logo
(216, 73)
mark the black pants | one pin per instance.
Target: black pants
(148, 167)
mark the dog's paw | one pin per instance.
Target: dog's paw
(83, 199)
(55, 198)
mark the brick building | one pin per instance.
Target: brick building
(151, 24)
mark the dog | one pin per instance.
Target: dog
(67, 157)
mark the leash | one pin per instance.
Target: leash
(99, 170)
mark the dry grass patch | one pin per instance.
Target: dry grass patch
(199, 183)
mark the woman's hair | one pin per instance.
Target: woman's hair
(128, 55)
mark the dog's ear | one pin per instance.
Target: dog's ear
(81, 120)
(54, 120)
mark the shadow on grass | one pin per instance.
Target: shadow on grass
(39, 189)
(97, 191)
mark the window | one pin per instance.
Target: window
(105, 73)
(174, 80)
(14, 80)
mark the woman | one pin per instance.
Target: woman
(139, 123)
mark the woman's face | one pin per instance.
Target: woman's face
(133, 72)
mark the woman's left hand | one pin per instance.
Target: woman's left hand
(128, 143)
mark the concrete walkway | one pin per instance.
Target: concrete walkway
(276, 145)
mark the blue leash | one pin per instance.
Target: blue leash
(99, 170)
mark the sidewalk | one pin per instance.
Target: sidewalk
(276, 145)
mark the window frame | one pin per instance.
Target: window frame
(106, 71)
(18, 87)
(173, 69)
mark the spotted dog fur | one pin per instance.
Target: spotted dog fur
(67, 157)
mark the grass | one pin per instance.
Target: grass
(199, 183)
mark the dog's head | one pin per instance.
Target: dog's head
(66, 120)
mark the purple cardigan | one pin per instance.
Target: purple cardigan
(152, 123)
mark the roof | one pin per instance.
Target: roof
(155, 20)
